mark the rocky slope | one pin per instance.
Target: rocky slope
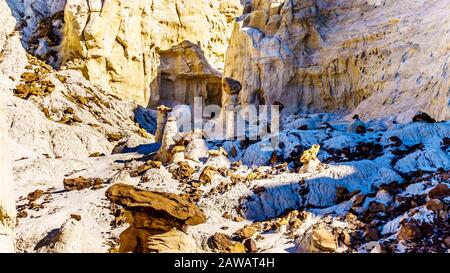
(377, 58)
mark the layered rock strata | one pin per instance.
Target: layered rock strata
(375, 57)
(116, 42)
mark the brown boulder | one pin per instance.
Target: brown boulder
(33, 196)
(220, 242)
(250, 246)
(246, 232)
(435, 205)
(439, 192)
(409, 232)
(155, 205)
(81, 183)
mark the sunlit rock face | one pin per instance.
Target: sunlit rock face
(376, 58)
(12, 60)
(115, 42)
(7, 205)
(184, 73)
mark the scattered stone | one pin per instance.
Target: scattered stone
(316, 240)
(371, 234)
(96, 154)
(81, 183)
(396, 142)
(341, 194)
(423, 117)
(220, 152)
(310, 154)
(447, 242)
(33, 196)
(259, 190)
(295, 223)
(435, 205)
(114, 137)
(246, 232)
(183, 171)
(250, 246)
(359, 200)
(208, 174)
(33, 84)
(409, 232)
(22, 214)
(439, 192)
(222, 243)
(76, 217)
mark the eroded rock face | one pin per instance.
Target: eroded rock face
(115, 42)
(184, 73)
(327, 55)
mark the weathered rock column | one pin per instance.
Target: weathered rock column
(230, 103)
(7, 205)
(163, 114)
(168, 141)
(157, 220)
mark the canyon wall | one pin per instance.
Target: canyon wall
(11, 61)
(7, 205)
(115, 42)
(373, 57)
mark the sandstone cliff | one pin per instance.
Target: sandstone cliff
(115, 42)
(12, 61)
(7, 203)
(184, 73)
(375, 57)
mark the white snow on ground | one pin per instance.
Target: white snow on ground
(313, 191)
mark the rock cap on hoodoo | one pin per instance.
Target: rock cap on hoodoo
(157, 202)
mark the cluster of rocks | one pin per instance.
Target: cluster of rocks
(34, 82)
(34, 201)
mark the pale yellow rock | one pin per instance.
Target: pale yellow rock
(163, 114)
(12, 60)
(376, 58)
(173, 241)
(317, 240)
(115, 42)
(168, 141)
(310, 154)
